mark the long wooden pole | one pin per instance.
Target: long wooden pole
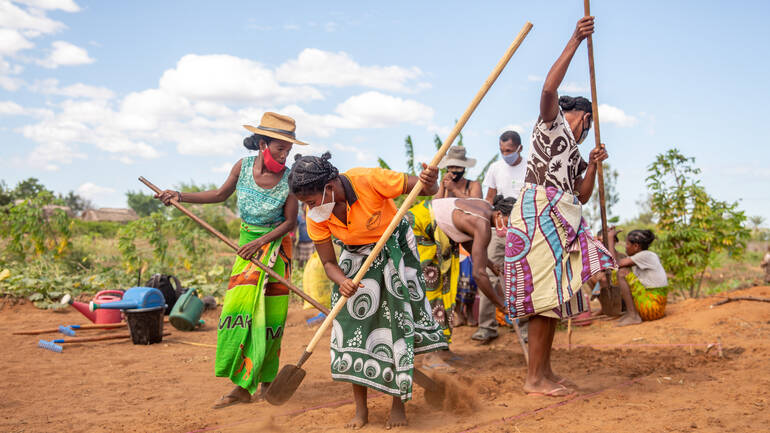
(597, 134)
(418, 188)
(234, 246)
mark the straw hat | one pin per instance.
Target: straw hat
(456, 157)
(276, 126)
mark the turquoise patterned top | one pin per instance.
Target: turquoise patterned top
(259, 206)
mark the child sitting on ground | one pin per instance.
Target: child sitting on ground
(641, 277)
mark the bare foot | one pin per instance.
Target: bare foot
(237, 395)
(397, 415)
(459, 319)
(629, 319)
(358, 421)
(561, 380)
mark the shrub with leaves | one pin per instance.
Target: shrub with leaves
(693, 227)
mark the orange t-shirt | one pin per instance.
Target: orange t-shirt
(370, 193)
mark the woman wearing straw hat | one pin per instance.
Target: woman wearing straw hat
(454, 183)
(254, 311)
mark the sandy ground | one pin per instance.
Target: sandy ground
(644, 378)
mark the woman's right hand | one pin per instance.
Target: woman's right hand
(584, 28)
(167, 195)
(348, 288)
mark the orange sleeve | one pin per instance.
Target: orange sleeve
(318, 232)
(387, 183)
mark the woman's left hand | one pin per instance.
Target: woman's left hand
(248, 250)
(429, 174)
(597, 155)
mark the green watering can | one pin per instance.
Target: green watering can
(186, 314)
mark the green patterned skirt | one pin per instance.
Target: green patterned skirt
(387, 321)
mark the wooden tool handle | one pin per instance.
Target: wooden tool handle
(101, 338)
(418, 188)
(597, 134)
(234, 246)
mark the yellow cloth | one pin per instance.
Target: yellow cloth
(440, 261)
(315, 283)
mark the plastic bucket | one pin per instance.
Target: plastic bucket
(187, 311)
(146, 324)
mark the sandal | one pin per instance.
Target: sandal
(561, 391)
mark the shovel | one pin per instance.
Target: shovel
(288, 379)
(232, 245)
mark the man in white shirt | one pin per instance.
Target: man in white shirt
(505, 177)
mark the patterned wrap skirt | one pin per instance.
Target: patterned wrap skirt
(549, 254)
(387, 321)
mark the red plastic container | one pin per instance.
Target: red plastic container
(101, 315)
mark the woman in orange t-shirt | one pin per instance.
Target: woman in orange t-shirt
(388, 318)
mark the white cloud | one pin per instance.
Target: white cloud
(512, 127)
(361, 156)
(330, 26)
(78, 90)
(572, 87)
(228, 78)
(314, 66)
(223, 168)
(14, 17)
(290, 27)
(11, 84)
(377, 110)
(65, 5)
(65, 54)
(11, 108)
(12, 41)
(50, 155)
(610, 114)
(536, 78)
(93, 192)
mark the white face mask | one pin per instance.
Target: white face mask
(323, 211)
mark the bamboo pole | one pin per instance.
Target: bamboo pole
(597, 134)
(418, 188)
(234, 246)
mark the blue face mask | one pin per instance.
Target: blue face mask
(511, 158)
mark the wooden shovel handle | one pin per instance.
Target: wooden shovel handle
(597, 134)
(234, 246)
(418, 188)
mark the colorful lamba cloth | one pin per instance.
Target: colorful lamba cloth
(387, 321)
(549, 254)
(649, 303)
(254, 314)
(440, 261)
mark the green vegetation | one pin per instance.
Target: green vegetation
(693, 228)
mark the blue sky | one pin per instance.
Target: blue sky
(94, 94)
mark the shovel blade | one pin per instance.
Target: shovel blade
(284, 385)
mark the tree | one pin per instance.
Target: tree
(75, 202)
(6, 194)
(592, 211)
(231, 202)
(143, 204)
(29, 188)
(693, 227)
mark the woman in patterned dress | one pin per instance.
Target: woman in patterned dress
(388, 318)
(255, 306)
(549, 251)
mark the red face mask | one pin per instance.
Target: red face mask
(270, 162)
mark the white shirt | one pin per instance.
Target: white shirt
(508, 180)
(649, 270)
